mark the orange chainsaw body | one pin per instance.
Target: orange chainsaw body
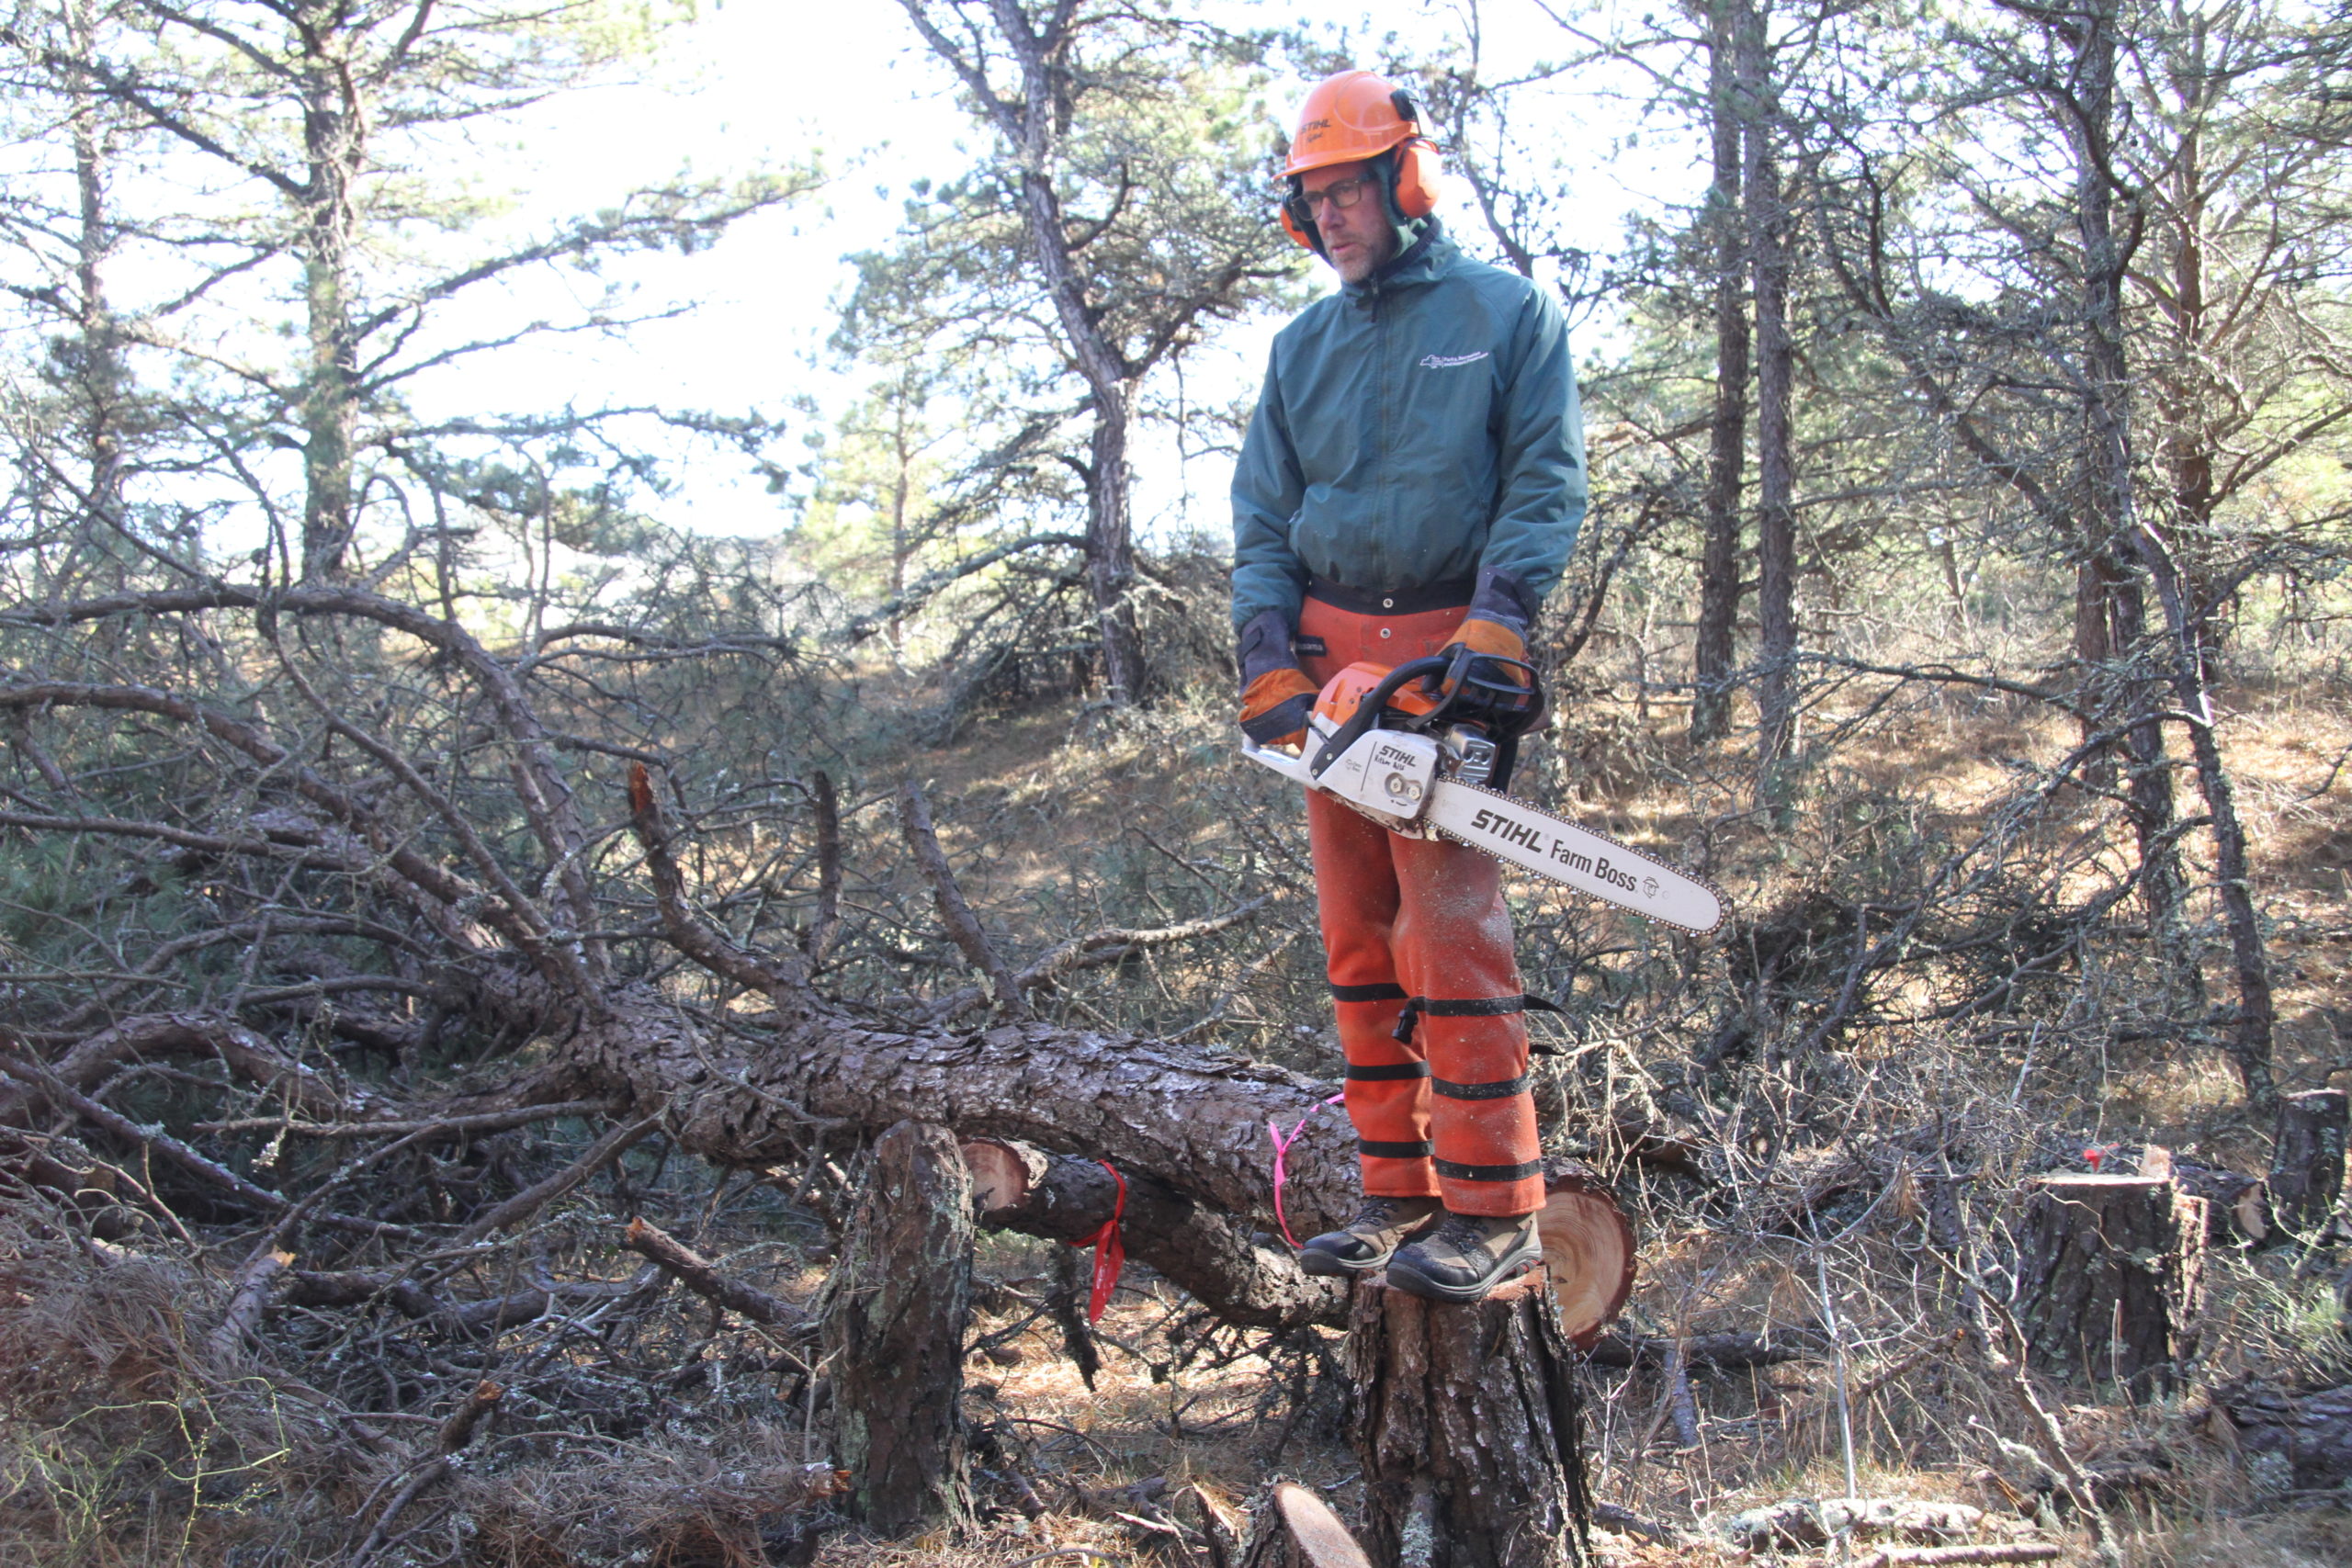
(1344, 693)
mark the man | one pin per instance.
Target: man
(1411, 484)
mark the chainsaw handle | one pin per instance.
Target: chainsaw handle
(1375, 703)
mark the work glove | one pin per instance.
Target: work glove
(1497, 628)
(1276, 696)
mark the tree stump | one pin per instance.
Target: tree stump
(1465, 1423)
(2307, 1160)
(2109, 1271)
(897, 1308)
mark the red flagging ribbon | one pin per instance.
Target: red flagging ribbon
(1110, 1252)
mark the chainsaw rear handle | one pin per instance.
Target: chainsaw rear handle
(1453, 681)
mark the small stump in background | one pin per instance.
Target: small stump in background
(896, 1306)
(2109, 1273)
(2307, 1161)
(1465, 1423)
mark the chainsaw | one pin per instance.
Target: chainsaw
(1412, 758)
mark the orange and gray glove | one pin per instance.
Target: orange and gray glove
(1276, 696)
(1496, 628)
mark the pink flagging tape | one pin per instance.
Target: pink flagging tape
(1282, 1170)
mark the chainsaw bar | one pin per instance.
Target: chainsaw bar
(1582, 858)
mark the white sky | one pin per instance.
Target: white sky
(755, 81)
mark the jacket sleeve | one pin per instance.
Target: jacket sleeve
(1541, 448)
(1267, 491)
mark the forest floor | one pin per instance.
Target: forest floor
(1057, 823)
(1924, 1418)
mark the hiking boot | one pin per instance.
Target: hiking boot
(1467, 1255)
(1366, 1243)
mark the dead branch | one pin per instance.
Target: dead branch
(532, 1199)
(152, 1138)
(2053, 1437)
(241, 1324)
(962, 926)
(1937, 1556)
(899, 605)
(459, 1318)
(450, 1126)
(701, 1276)
(455, 1434)
(245, 1053)
(1106, 946)
(1772, 1348)
(826, 928)
(688, 932)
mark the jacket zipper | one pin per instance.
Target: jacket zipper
(1384, 503)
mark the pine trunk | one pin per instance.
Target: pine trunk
(2109, 1271)
(1465, 1423)
(1714, 647)
(1764, 207)
(898, 1305)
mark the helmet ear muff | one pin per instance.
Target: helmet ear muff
(1416, 170)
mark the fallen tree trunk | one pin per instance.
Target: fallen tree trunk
(1190, 1130)
(1227, 1266)
(2291, 1441)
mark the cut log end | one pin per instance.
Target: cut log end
(1002, 1174)
(1295, 1529)
(1321, 1539)
(1587, 1250)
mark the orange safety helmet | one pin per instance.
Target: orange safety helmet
(1353, 116)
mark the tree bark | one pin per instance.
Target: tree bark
(1766, 208)
(101, 376)
(1222, 1263)
(1110, 544)
(898, 1305)
(1467, 1427)
(2110, 1275)
(2292, 1441)
(2118, 530)
(1197, 1125)
(330, 146)
(2307, 1160)
(1714, 650)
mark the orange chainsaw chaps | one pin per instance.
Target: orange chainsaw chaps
(1446, 1110)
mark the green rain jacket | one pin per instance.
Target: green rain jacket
(1417, 429)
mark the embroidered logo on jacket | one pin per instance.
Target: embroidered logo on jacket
(1448, 361)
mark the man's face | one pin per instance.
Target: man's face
(1358, 237)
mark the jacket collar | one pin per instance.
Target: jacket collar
(1421, 262)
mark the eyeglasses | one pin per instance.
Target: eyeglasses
(1340, 195)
